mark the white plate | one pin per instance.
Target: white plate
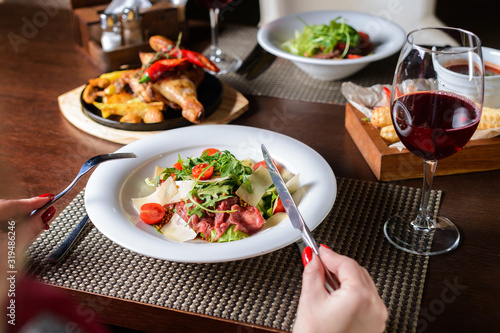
(112, 185)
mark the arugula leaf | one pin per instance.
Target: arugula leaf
(229, 235)
(266, 204)
(323, 38)
(204, 196)
(216, 189)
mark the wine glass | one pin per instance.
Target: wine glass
(226, 61)
(436, 103)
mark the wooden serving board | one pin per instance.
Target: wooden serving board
(392, 164)
(233, 105)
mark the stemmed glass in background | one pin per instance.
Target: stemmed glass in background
(436, 104)
(226, 61)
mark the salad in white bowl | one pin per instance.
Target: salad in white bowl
(214, 197)
(288, 35)
(113, 185)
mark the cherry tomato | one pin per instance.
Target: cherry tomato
(263, 163)
(354, 56)
(340, 46)
(363, 35)
(364, 40)
(210, 151)
(279, 207)
(257, 165)
(178, 166)
(197, 171)
(152, 213)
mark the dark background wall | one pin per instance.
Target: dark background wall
(478, 16)
(237, 11)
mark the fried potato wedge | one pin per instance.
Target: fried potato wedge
(112, 76)
(388, 133)
(490, 118)
(122, 97)
(131, 118)
(381, 116)
(121, 109)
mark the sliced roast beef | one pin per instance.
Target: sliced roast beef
(246, 219)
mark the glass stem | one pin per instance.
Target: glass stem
(214, 25)
(423, 219)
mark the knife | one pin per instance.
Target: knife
(250, 60)
(257, 62)
(331, 281)
(261, 66)
(58, 253)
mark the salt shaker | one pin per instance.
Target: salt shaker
(111, 32)
(132, 32)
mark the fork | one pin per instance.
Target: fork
(86, 167)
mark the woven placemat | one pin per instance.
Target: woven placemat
(263, 290)
(284, 80)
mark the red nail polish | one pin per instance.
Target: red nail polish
(46, 226)
(48, 214)
(46, 195)
(307, 255)
(326, 247)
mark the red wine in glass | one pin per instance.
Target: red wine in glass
(213, 3)
(434, 124)
(435, 110)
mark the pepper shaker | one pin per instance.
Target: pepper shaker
(132, 32)
(111, 32)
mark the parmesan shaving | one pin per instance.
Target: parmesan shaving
(286, 175)
(260, 180)
(293, 183)
(178, 230)
(183, 188)
(274, 220)
(158, 171)
(163, 193)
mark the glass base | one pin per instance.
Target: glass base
(226, 61)
(443, 236)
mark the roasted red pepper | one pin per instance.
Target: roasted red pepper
(387, 93)
(200, 60)
(193, 57)
(153, 72)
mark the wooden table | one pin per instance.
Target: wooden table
(41, 152)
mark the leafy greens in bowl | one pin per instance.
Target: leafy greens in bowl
(336, 40)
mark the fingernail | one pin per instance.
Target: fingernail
(307, 255)
(46, 195)
(324, 246)
(48, 214)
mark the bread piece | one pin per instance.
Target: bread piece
(490, 118)
(381, 116)
(388, 133)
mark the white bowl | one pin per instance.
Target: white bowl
(386, 36)
(460, 83)
(491, 58)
